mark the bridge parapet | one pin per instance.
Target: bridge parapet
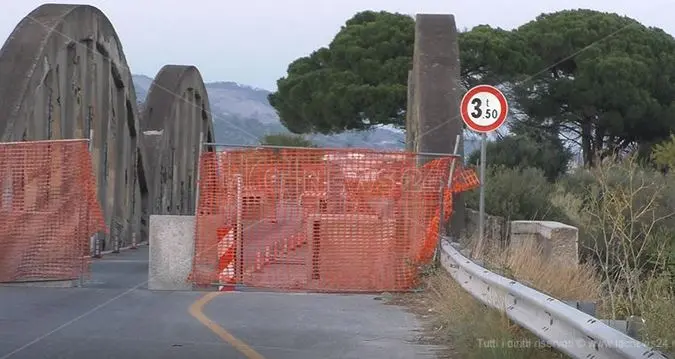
(559, 241)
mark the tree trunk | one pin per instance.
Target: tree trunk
(586, 143)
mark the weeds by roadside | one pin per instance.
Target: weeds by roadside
(469, 329)
(625, 213)
(528, 265)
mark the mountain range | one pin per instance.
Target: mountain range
(242, 115)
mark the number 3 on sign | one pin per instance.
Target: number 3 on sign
(484, 108)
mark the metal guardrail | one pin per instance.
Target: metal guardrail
(561, 326)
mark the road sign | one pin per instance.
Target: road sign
(484, 108)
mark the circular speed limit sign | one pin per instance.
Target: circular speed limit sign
(484, 108)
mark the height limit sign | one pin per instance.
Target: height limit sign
(484, 109)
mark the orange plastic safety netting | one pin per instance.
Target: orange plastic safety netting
(48, 210)
(318, 219)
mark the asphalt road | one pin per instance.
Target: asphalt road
(115, 316)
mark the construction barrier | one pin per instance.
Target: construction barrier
(226, 255)
(320, 220)
(48, 210)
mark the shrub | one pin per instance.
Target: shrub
(627, 221)
(663, 154)
(521, 152)
(517, 194)
(281, 139)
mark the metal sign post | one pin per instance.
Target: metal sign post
(483, 109)
(199, 167)
(481, 197)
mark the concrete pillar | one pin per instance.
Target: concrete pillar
(410, 119)
(437, 93)
(172, 245)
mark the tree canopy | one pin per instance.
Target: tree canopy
(358, 81)
(599, 80)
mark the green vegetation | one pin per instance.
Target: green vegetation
(522, 151)
(515, 193)
(663, 154)
(358, 81)
(625, 212)
(604, 95)
(286, 140)
(598, 80)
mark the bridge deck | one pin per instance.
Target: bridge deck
(114, 316)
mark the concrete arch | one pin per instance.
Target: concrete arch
(175, 114)
(64, 75)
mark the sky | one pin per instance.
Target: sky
(253, 41)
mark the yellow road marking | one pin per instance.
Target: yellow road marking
(196, 311)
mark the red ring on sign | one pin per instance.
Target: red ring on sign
(464, 108)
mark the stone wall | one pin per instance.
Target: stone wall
(559, 241)
(496, 228)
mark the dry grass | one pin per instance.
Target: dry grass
(528, 265)
(468, 328)
(472, 330)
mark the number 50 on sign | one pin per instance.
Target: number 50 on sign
(484, 108)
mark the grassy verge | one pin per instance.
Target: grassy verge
(468, 329)
(528, 265)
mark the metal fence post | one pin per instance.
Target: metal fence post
(239, 231)
(96, 239)
(441, 220)
(199, 170)
(115, 236)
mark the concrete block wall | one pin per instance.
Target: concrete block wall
(559, 241)
(172, 243)
(496, 228)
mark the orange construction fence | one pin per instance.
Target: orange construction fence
(320, 219)
(48, 210)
